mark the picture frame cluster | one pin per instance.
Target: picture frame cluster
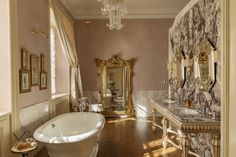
(32, 72)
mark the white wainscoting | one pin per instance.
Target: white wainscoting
(141, 100)
(4, 135)
(61, 103)
(32, 117)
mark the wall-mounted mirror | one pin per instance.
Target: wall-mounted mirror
(178, 70)
(116, 85)
(204, 66)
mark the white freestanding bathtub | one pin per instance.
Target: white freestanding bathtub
(71, 134)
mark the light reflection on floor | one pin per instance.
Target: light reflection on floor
(152, 144)
(121, 120)
(155, 152)
(160, 152)
(152, 148)
(128, 119)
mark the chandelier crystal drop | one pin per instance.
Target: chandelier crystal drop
(115, 10)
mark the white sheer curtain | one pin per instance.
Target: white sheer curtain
(64, 24)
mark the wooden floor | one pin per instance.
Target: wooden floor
(130, 138)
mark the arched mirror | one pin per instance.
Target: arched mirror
(204, 66)
(178, 70)
(116, 85)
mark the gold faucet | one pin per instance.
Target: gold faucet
(188, 103)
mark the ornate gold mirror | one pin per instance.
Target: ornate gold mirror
(116, 85)
(178, 70)
(204, 66)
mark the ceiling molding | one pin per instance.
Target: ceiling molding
(83, 11)
(129, 16)
(68, 7)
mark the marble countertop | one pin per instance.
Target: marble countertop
(180, 114)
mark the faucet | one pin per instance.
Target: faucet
(203, 100)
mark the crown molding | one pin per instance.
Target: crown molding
(68, 8)
(133, 13)
(130, 16)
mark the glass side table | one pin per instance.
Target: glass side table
(24, 147)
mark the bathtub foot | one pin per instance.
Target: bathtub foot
(95, 150)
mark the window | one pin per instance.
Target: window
(53, 61)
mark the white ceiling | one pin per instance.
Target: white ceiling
(91, 9)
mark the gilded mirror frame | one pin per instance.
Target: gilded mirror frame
(205, 66)
(116, 62)
(178, 75)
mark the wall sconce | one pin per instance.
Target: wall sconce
(217, 56)
(205, 66)
(89, 24)
(38, 31)
(169, 66)
(170, 69)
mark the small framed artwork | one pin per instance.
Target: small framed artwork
(34, 69)
(25, 81)
(24, 58)
(42, 62)
(43, 80)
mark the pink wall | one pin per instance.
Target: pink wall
(33, 14)
(145, 40)
(5, 57)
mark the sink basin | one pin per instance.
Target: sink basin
(186, 111)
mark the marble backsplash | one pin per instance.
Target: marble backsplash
(199, 20)
(141, 100)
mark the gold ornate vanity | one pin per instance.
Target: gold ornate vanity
(116, 85)
(192, 79)
(186, 121)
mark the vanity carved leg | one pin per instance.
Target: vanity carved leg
(165, 124)
(216, 145)
(154, 112)
(185, 145)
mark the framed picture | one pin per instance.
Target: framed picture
(43, 80)
(24, 58)
(25, 81)
(42, 62)
(34, 69)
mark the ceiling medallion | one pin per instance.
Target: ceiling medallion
(114, 9)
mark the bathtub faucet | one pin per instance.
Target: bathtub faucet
(83, 103)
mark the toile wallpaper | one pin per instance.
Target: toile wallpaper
(199, 20)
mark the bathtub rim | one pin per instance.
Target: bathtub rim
(40, 128)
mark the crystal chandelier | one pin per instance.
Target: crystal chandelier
(114, 9)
